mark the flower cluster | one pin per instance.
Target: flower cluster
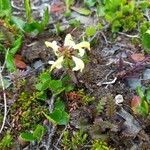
(69, 50)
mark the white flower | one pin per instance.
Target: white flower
(79, 64)
(68, 44)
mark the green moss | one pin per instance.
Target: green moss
(29, 110)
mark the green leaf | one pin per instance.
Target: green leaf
(27, 137)
(58, 117)
(18, 22)
(148, 95)
(59, 105)
(5, 8)
(6, 141)
(10, 62)
(36, 27)
(144, 108)
(42, 86)
(82, 11)
(44, 77)
(90, 3)
(145, 40)
(17, 44)
(140, 92)
(27, 6)
(90, 31)
(45, 19)
(68, 3)
(56, 86)
(10, 57)
(39, 132)
(33, 28)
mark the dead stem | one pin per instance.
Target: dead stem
(4, 94)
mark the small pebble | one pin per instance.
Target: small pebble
(119, 99)
(146, 74)
(133, 83)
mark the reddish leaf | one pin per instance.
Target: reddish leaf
(137, 57)
(19, 62)
(18, 57)
(57, 8)
(135, 103)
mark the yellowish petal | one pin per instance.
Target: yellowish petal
(69, 41)
(58, 63)
(83, 44)
(53, 45)
(81, 52)
(79, 64)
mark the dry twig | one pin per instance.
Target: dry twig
(4, 94)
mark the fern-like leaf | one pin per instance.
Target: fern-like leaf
(110, 107)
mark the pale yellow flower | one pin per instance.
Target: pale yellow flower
(79, 64)
(69, 44)
(57, 64)
(53, 45)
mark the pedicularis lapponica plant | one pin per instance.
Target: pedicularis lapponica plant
(69, 55)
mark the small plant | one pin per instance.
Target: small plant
(110, 107)
(29, 111)
(144, 101)
(6, 141)
(145, 36)
(101, 104)
(85, 99)
(99, 145)
(75, 141)
(45, 82)
(68, 3)
(68, 53)
(35, 136)
(123, 15)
